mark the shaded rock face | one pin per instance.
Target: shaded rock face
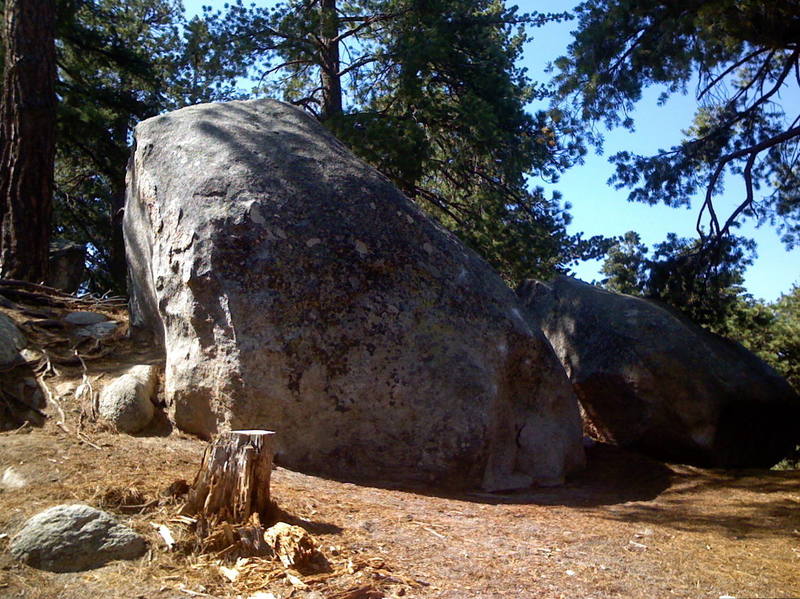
(11, 342)
(648, 378)
(126, 402)
(23, 399)
(71, 538)
(67, 266)
(296, 289)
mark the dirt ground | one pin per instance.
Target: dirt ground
(627, 527)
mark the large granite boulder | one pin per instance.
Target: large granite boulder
(296, 289)
(649, 378)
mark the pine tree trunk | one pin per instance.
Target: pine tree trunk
(27, 138)
(118, 265)
(233, 480)
(329, 53)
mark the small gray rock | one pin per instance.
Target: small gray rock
(98, 330)
(71, 538)
(82, 318)
(126, 402)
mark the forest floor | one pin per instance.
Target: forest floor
(626, 527)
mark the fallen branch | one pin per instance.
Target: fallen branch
(62, 422)
(83, 437)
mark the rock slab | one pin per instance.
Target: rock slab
(127, 401)
(295, 289)
(71, 538)
(649, 378)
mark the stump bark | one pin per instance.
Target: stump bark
(232, 483)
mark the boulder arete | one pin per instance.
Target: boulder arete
(296, 289)
(649, 378)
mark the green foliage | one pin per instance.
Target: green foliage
(771, 330)
(430, 94)
(703, 282)
(111, 60)
(433, 98)
(120, 62)
(625, 266)
(742, 54)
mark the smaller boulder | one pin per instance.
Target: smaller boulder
(67, 265)
(71, 538)
(650, 379)
(83, 318)
(11, 342)
(98, 330)
(127, 402)
(23, 399)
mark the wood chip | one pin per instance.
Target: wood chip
(166, 534)
(295, 581)
(232, 574)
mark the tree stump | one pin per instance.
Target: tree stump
(233, 481)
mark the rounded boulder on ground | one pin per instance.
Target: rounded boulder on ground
(649, 378)
(71, 538)
(11, 342)
(127, 402)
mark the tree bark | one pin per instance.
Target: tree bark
(329, 53)
(118, 264)
(27, 139)
(233, 480)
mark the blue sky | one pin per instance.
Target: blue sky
(598, 208)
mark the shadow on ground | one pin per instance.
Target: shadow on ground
(612, 476)
(745, 504)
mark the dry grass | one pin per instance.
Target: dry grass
(627, 528)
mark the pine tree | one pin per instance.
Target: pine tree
(27, 138)
(428, 91)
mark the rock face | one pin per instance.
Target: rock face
(23, 399)
(296, 289)
(648, 378)
(70, 538)
(67, 265)
(11, 342)
(127, 402)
